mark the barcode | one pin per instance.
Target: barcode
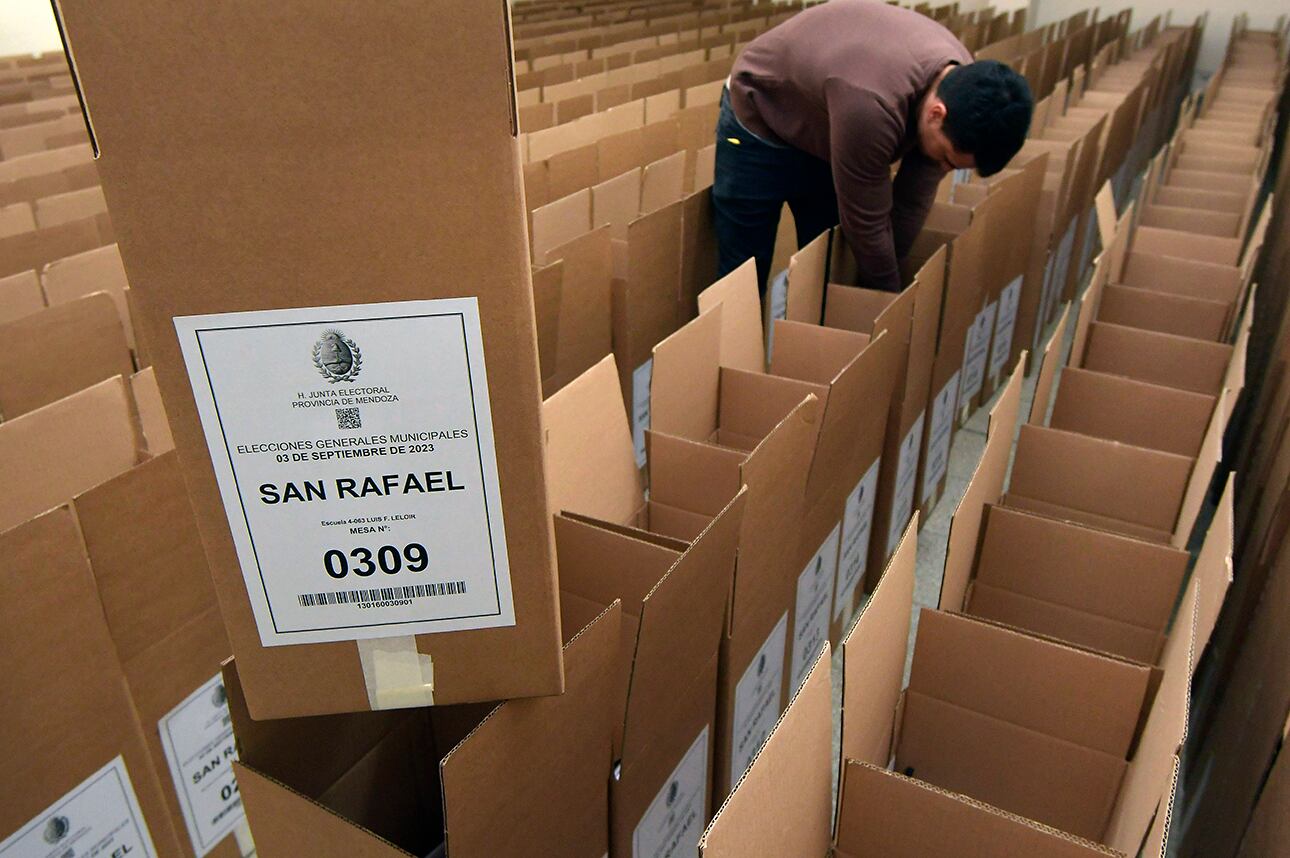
(382, 594)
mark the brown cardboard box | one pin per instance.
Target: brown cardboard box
(784, 802)
(62, 349)
(160, 608)
(581, 326)
(527, 778)
(323, 224)
(56, 452)
(675, 592)
(98, 270)
(739, 427)
(855, 374)
(20, 296)
(1061, 735)
(32, 250)
(91, 790)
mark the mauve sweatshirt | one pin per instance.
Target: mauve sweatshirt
(843, 81)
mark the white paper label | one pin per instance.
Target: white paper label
(757, 698)
(975, 352)
(197, 736)
(641, 377)
(902, 504)
(353, 447)
(99, 818)
(857, 526)
(815, 588)
(673, 824)
(938, 441)
(778, 307)
(1005, 324)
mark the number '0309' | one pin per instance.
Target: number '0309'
(364, 562)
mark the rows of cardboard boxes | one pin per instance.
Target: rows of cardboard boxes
(770, 461)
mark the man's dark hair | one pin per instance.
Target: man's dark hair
(987, 112)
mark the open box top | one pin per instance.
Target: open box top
(1060, 734)
(527, 775)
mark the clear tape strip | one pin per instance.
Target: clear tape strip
(396, 674)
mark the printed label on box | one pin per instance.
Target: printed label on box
(197, 736)
(857, 526)
(778, 307)
(641, 377)
(757, 698)
(353, 447)
(1005, 324)
(975, 353)
(902, 505)
(99, 818)
(674, 822)
(815, 588)
(938, 441)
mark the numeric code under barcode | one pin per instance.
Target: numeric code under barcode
(382, 594)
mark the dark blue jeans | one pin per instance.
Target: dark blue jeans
(753, 181)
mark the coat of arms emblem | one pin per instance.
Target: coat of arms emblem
(337, 357)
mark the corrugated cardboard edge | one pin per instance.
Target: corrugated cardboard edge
(1049, 366)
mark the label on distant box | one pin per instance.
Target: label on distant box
(353, 447)
(674, 822)
(975, 352)
(857, 527)
(641, 378)
(757, 697)
(99, 818)
(1005, 324)
(938, 441)
(197, 736)
(815, 586)
(902, 504)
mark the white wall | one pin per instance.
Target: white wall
(1263, 16)
(27, 27)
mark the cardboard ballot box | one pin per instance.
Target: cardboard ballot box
(343, 335)
(527, 777)
(673, 568)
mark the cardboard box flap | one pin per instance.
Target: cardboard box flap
(985, 487)
(590, 463)
(151, 579)
(685, 386)
(806, 273)
(815, 353)
(873, 658)
(1131, 484)
(1084, 570)
(1069, 694)
(1118, 408)
(682, 622)
(584, 323)
(885, 813)
(44, 452)
(152, 414)
(1214, 567)
(585, 551)
(867, 311)
(783, 804)
(53, 615)
(531, 776)
(741, 330)
(1198, 318)
(1148, 779)
(692, 475)
(548, 283)
(1185, 277)
(1158, 358)
(560, 222)
(86, 337)
(752, 404)
(20, 295)
(1187, 245)
(1207, 459)
(1048, 367)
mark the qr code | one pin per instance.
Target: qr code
(348, 418)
